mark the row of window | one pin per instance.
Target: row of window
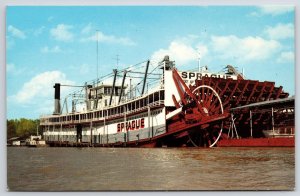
(107, 90)
(143, 115)
(112, 111)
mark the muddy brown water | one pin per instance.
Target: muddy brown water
(98, 169)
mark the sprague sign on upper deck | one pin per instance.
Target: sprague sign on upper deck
(189, 78)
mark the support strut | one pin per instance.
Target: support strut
(124, 76)
(113, 87)
(145, 77)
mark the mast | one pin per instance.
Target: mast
(97, 56)
(97, 50)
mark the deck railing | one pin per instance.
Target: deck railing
(45, 120)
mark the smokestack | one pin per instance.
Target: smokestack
(56, 98)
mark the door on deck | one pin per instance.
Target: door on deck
(79, 133)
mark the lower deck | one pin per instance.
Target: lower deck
(133, 128)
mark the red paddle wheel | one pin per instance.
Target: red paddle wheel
(203, 109)
(197, 119)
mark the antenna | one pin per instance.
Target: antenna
(117, 59)
(97, 34)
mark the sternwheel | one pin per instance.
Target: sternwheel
(210, 105)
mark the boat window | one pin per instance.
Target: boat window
(141, 103)
(129, 106)
(107, 90)
(150, 98)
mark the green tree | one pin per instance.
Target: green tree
(11, 129)
(21, 127)
(25, 127)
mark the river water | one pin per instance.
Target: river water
(98, 169)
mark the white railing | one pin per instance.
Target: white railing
(45, 121)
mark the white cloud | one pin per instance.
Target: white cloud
(202, 50)
(101, 37)
(15, 32)
(280, 31)
(181, 52)
(55, 49)
(87, 29)
(276, 9)
(40, 86)
(244, 49)
(39, 31)
(11, 68)
(254, 14)
(62, 32)
(286, 57)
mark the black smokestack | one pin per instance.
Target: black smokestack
(57, 91)
(56, 98)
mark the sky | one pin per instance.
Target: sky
(47, 45)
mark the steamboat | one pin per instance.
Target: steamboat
(181, 108)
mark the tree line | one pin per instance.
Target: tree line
(22, 128)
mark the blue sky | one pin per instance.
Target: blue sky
(45, 45)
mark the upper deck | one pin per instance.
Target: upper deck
(138, 104)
